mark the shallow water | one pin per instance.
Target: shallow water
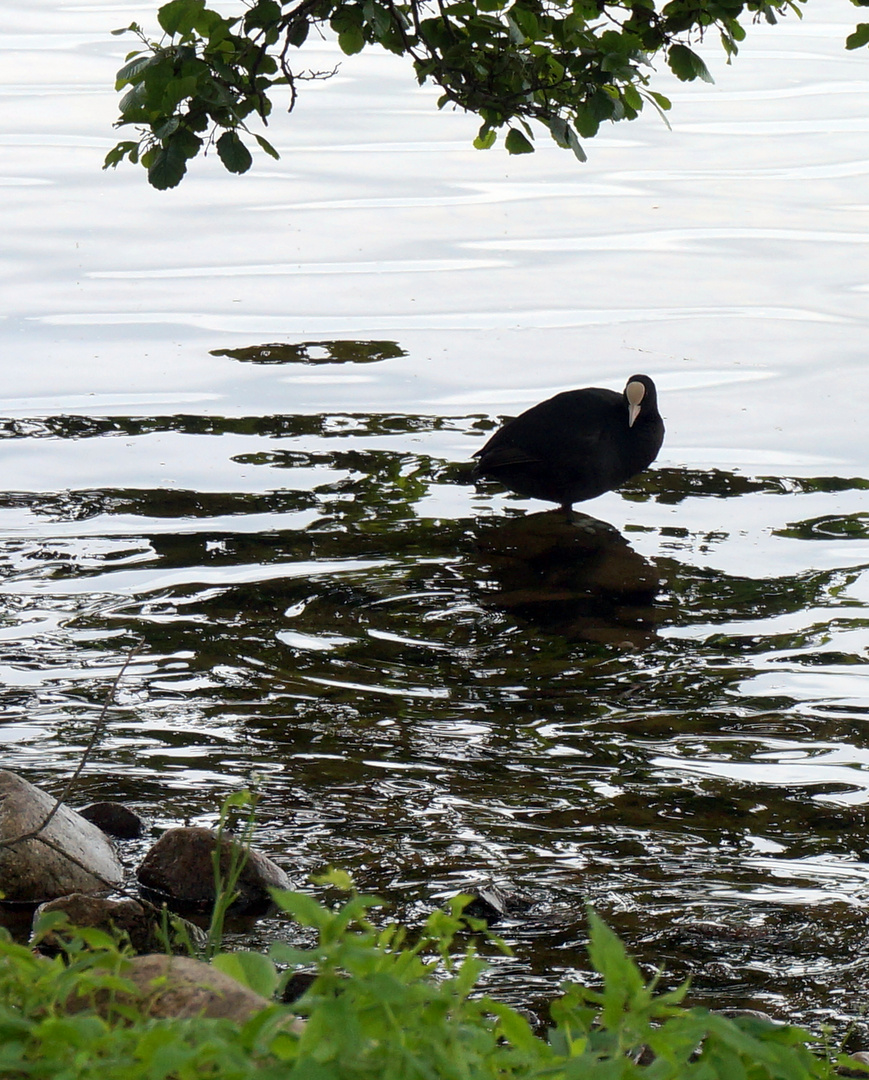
(434, 685)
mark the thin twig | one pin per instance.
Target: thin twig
(92, 742)
(113, 885)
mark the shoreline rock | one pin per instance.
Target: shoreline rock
(178, 986)
(178, 871)
(140, 921)
(69, 855)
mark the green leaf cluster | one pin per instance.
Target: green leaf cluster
(196, 88)
(562, 66)
(385, 1005)
(62, 1019)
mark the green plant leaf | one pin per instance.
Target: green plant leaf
(338, 879)
(687, 65)
(251, 969)
(267, 146)
(297, 32)
(233, 153)
(180, 16)
(129, 71)
(575, 145)
(302, 907)
(52, 920)
(166, 169)
(514, 1027)
(351, 40)
(558, 129)
(623, 981)
(118, 153)
(859, 38)
(163, 131)
(288, 954)
(262, 14)
(517, 143)
(185, 143)
(237, 800)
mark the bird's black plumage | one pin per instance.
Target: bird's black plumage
(578, 444)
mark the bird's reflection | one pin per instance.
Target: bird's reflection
(572, 575)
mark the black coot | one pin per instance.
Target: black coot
(578, 444)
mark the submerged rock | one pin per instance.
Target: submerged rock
(179, 870)
(492, 903)
(178, 986)
(751, 1014)
(69, 855)
(182, 986)
(115, 819)
(489, 903)
(141, 922)
(860, 1061)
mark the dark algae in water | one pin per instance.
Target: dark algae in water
(316, 352)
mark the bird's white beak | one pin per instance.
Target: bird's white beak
(634, 392)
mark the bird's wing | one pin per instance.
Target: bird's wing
(501, 456)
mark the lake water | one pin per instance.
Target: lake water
(435, 691)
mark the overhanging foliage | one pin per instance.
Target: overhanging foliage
(565, 65)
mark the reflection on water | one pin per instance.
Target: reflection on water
(576, 577)
(316, 352)
(434, 699)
